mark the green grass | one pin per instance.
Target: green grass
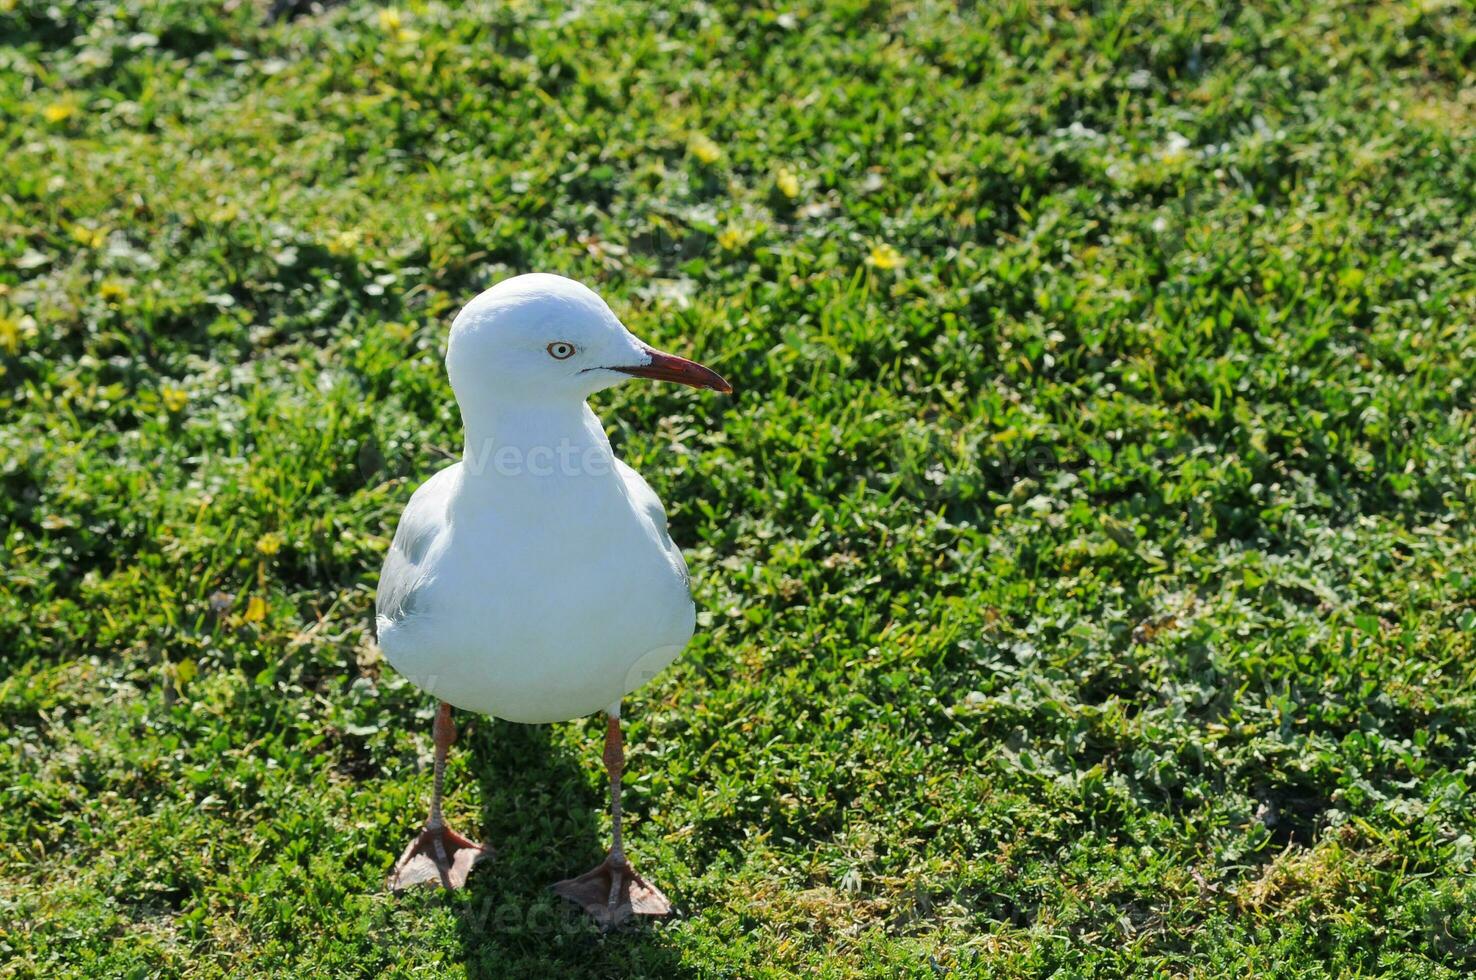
(1085, 562)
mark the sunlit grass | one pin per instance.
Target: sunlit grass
(1084, 562)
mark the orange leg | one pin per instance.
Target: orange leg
(613, 891)
(438, 855)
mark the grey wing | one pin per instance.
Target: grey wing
(645, 498)
(403, 578)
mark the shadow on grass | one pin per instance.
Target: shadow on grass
(543, 819)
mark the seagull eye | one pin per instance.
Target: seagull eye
(561, 350)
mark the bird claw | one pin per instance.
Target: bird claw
(437, 856)
(612, 892)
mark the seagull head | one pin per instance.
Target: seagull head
(542, 337)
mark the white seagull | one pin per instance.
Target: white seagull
(535, 580)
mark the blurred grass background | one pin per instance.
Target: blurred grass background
(1085, 560)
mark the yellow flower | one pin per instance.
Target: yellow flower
(175, 399)
(1175, 149)
(111, 290)
(60, 112)
(705, 150)
(89, 237)
(185, 671)
(256, 609)
(884, 256)
(731, 238)
(344, 242)
(787, 183)
(269, 544)
(10, 334)
(390, 19)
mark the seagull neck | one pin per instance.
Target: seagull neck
(536, 439)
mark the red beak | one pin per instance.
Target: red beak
(669, 367)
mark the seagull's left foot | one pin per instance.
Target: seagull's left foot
(438, 856)
(613, 892)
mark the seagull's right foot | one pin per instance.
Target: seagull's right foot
(613, 892)
(438, 856)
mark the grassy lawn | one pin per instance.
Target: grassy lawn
(1084, 564)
